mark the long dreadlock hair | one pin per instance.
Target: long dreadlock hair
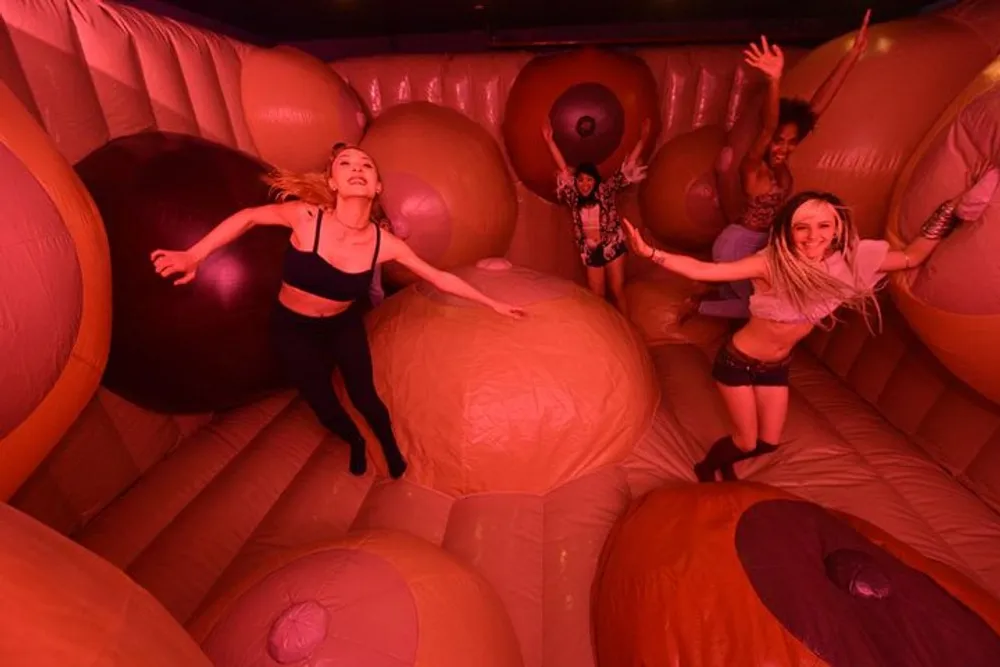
(314, 187)
(805, 284)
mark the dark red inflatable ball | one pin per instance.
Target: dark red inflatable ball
(202, 346)
(596, 101)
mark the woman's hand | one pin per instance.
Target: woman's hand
(171, 262)
(635, 240)
(508, 310)
(633, 171)
(767, 58)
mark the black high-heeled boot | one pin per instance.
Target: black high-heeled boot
(724, 452)
(762, 448)
(359, 459)
(394, 460)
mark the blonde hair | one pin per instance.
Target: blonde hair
(314, 187)
(806, 285)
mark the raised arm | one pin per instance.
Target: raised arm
(966, 207)
(824, 95)
(551, 143)
(771, 61)
(168, 263)
(395, 249)
(754, 266)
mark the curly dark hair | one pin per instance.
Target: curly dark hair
(799, 113)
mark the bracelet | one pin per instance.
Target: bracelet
(941, 223)
(652, 254)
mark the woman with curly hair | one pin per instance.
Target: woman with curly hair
(765, 178)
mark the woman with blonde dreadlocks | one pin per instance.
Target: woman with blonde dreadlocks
(334, 247)
(813, 264)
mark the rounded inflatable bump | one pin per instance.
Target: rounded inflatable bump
(658, 300)
(57, 292)
(876, 120)
(481, 402)
(379, 599)
(745, 575)
(679, 198)
(596, 101)
(297, 108)
(446, 185)
(64, 605)
(204, 346)
(951, 302)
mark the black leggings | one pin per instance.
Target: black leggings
(309, 349)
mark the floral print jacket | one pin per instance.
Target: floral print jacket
(612, 233)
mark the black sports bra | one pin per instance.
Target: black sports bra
(311, 273)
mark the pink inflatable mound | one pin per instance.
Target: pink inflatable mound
(481, 402)
(41, 297)
(378, 599)
(963, 274)
(202, 346)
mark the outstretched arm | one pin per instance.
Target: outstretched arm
(747, 268)
(240, 223)
(397, 250)
(824, 95)
(966, 207)
(185, 263)
(771, 61)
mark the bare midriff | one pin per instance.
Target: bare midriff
(767, 340)
(308, 304)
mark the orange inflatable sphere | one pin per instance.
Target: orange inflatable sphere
(679, 198)
(64, 606)
(55, 299)
(481, 402)
(377, 599)
(596, 102)
(297, 108)
(745, 575)
(447, 188)
(953, 301)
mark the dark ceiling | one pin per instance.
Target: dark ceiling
(698, 20)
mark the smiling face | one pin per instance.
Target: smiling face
(814, 226)
(353, 174)
(585, 184)
(784, 141)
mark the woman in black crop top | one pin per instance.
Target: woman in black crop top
(335, 247)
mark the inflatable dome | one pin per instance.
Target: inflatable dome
(55, 315)
(512, 407)
(297, 108)
(953, 301)
(202, 346)
(446, 187)
(63, 605)
(596, 102)
(744, 574)
(679, 198)
(381, 599)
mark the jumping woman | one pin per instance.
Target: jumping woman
(334, 248)
(765, 177)
(596, 222)
(813, 263)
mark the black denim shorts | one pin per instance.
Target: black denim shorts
(735, 369)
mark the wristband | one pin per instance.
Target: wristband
(941, 223)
